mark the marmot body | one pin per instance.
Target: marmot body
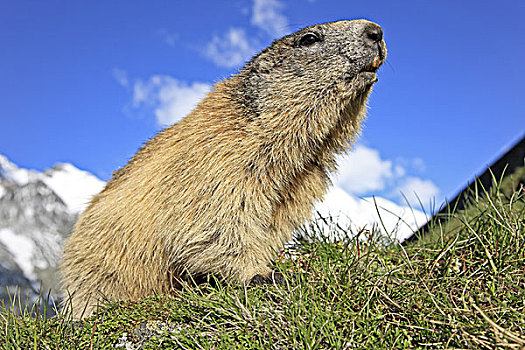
(222, 191)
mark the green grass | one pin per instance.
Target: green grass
(462, 286)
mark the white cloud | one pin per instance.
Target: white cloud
(363, 171)
(417, 191)
(399, 171)
(419, 164)
(121, 77)
(234, 47)
(169, 38)
(342, 210)
(415, 164)
(231, 49)
(268, 17)
(170, 99)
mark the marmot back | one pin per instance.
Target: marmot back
(222, 191)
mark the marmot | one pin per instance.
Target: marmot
(221, 191)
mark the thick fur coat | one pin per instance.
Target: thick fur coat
(222, 191)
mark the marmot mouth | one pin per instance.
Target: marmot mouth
(374, 66)
(368, 77)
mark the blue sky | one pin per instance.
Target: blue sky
(88, 82)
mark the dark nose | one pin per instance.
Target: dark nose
(374, 33)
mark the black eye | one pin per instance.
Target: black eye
(309, 39)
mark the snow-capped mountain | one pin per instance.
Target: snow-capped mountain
(37, 213)
(73, 186)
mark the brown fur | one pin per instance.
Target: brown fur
(222, 191)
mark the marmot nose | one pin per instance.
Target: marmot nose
(373, 32)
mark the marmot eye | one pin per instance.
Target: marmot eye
(309, 39)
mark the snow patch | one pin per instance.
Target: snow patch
(13, 173)
(74, 186)
(22, 249)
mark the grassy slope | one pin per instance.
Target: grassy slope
(463, 286)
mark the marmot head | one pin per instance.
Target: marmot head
(331, 59)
